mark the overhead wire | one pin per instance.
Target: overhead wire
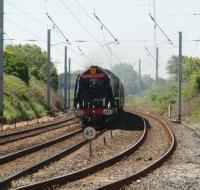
(104, 39)
(27, 14)
(60, 31)
(100, 26)
(149, 53)
(83, 54)
(155, 37)
(196, 46)
(86, 13)
(25, 30)
(120, 62)
(9, 39)
(161, 29)
(82, 25)
(104, 26)
(78, 20)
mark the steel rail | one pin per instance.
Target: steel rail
(61, 180)
(10, 137)
(127, 180)
(34, 128)
(9, 132)
(6, 182)
(20, 153)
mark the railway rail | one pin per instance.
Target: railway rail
(13, 136)
(89, 170)
(127, 180)
(12, 156)
(5, 183)
(83, 173)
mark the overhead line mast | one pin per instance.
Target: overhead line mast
(1, 55)
(154, 13)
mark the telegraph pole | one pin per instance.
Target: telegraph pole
(65, 81)
(157, 65)
(48, 67)
(1, 55)
(69, 83)
(179, 77)
(139, 79)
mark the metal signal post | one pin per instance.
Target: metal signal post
(139, 79)
(1, 55)
(179, 77)
(48, 67)
(65, 81)
(69, 83)
(157, 65)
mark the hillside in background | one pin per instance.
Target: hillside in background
(25, 79)
(159, 98)
(22, 101)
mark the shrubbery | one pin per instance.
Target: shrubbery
(195, 82)
(21, 101)
(24, 61)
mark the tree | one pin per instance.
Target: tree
(190, 65)
(191, 70)
(14, 63)
(27, 60)
(147, 82)
(172, 67)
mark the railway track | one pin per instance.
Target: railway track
(20, 153)
(149, 156)
(121, 183)
(39, 165)
(123, 157)
(91, 169)
(13, 136)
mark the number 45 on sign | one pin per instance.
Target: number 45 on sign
(89, 133)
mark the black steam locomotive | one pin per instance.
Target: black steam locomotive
(98, 97)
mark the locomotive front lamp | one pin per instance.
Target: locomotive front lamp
(79, 113)
(109, 105)
(107, 112)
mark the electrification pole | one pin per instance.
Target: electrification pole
(65, 81)
(139, 79)
(157, 65)
(1, 55)
(69, 83)
(60, 91)
(179, 77)
(48, 67)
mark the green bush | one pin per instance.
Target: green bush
(195, 82)
(21, 101)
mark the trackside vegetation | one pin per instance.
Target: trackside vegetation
(25, 83)
(159, 98)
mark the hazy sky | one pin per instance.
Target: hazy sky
(128, 20)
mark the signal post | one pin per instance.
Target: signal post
(1, 56)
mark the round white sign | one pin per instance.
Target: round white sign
(89, 133)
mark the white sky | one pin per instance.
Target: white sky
(128, 20)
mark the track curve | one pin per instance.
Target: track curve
(89, 170)
(124, 181)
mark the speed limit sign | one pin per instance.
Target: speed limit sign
(89, 133)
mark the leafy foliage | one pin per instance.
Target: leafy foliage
(191, 71)
(195, 81)
(24, 61)
(160, 97)
(20, 102)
